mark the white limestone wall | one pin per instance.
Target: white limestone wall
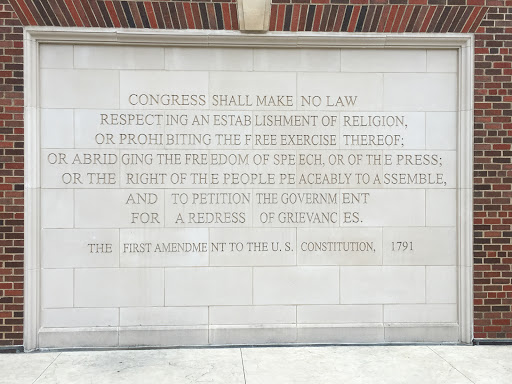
(100, 285)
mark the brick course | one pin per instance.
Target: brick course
(490, 20)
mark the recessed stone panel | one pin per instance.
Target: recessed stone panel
(442, 60)
(316, 60)
(389, 60)
(425, 246)
(256, 314)
(57, 128)
(382, 285)
(420, 313)
(71, 88)
(119, 287)
(163, 316)
(109, 57)
(57, 288)
(79, 317)
(208, 286)
(57, 207)
(436, 92)
(79, 248)
(339, 314)
(56, 56)
(296, 285)
(213, 59)
(247, 194)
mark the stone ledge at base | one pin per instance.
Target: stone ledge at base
(122, 337)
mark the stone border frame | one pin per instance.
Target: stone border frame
(464, 43)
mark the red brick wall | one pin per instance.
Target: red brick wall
(490, 20)
(493, 174)
(11, 177)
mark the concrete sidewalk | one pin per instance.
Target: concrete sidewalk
(323, 365)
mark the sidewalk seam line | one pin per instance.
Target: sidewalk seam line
(451, 365)
(243, 366)
(42, 373)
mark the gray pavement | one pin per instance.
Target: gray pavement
(323, 364)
